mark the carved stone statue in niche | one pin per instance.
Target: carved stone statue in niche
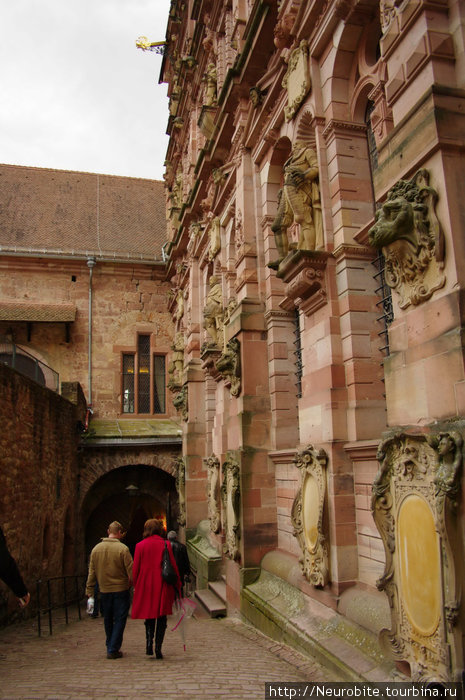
(230, 493)
(179, 311)
(181, 489)
(229, 366)
(210, 90)
(410, 236)
(176, 366)
(215, 238)
(213, 480)
(214, 312)
(414, 505)
(307, 515)
(299, 202)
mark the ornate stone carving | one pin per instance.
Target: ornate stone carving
(181, 489)
(213, 479)
(210, 79)
(215, 238)
(176, 366)
(388, 9)
(414, 503)
(297, 79)
(299, 202)
(230, 494)
(282, 31)
(229, 366)
(304, 274)
(214, 313)
(307, 515)
(410, 236)
(180, 402)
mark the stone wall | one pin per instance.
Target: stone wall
(38, 481)
(126, 300)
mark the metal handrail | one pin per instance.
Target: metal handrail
(65, 601)
(43, 374)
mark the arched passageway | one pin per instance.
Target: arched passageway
(131, 495)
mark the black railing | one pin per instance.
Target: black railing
(384, 304)
(61, 593)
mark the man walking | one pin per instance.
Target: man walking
(111, 565)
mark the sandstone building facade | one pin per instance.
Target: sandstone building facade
(304, 297)
(315, 228)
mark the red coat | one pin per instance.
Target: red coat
(152, 596)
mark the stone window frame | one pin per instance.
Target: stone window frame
(153, 353)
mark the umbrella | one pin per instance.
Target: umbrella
(183, 609)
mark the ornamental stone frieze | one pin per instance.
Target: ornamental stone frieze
(230, 495)
(229, 366)
(415, 504)
(181, 489)
(409, 234)
(307, 515)
(297, 79)
(304, 275)
(213, 491)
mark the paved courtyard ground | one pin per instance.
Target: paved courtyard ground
(223, 659)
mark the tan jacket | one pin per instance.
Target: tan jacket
(111, 566)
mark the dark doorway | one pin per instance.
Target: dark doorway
(130, 495)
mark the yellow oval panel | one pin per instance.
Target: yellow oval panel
(419, 563)
(310, 511)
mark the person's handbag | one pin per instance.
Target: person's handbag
(168, 572)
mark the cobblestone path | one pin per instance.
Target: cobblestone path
(223, 659)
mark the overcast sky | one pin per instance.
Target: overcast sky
(76, 93)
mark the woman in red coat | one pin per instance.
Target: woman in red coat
(153, 597)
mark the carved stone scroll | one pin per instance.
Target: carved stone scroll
(410, 236)
(230, 494)
(213, 467)
(414, 505)
(307, 515)
(181, 489)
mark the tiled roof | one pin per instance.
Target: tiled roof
(18, 311)
(75, 213)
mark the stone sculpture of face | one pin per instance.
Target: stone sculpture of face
(394, 220)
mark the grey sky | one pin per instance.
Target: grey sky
(76, 93)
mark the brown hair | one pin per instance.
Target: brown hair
(152, 527)
(115, 527)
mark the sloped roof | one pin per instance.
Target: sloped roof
(76, 213)
(20, 311)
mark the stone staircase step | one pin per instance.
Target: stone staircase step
(211, 602)
(219, 588)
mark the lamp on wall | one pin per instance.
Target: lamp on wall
(132, 490)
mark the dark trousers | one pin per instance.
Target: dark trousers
(115, 607)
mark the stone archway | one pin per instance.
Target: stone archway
(130, 494)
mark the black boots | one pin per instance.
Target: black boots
(155, 628)
(149, 632)
(160, 628)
